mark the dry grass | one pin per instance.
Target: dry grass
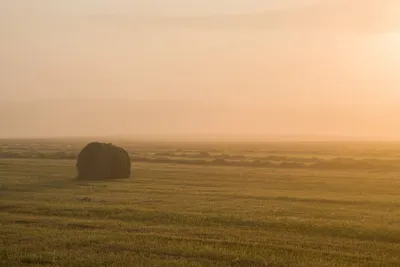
(182, 215)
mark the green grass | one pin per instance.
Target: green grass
(184, 215)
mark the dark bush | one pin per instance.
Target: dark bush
(290, 165)
(103, 161)
(336, 164)
(238, 157)
(162, 160)
(195, 155)
(204, 154)
(259, 163)
(221, 162)
(164, 154)
(223, 156)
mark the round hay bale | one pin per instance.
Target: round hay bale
(103, 161)
(120, 163)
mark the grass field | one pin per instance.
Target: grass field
(172, 214)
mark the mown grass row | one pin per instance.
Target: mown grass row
(188, 215)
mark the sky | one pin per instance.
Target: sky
(171, 7)
(191, 67)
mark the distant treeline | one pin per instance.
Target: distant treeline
(331, 164)
(207, 159)
(207, 155)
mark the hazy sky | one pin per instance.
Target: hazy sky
(316, 70)
(173, 7)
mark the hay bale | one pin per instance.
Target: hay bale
(120, 163)
(103, 161)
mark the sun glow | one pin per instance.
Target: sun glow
(384, 51)
(385, 62)
(391, 46)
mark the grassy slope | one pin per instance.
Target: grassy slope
(170, 215)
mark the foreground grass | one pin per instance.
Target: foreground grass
(177, 215)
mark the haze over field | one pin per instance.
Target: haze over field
(90, 67)
(199, 133)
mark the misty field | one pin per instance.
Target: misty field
(227, 204)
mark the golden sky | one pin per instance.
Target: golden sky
(270, 69)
